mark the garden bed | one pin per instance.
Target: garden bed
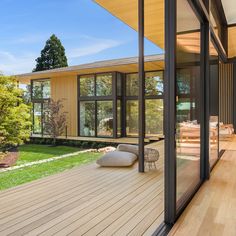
(9, 159)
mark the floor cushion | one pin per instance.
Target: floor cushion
(117, 158)
(128, 148)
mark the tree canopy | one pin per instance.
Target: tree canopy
(15, 120)
(52, 56)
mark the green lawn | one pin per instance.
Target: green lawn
(16, 177)
(34, 152)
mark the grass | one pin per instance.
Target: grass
(27, 174)
(34, 152)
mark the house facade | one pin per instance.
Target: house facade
(100, 99)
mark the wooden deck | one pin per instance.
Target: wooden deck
(212, 210)
(87, 200)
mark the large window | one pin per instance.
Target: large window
(104, 85)
(154, 83)
(105, 118)
(37, 119)
(188, 122)
(154, 103)
(154, 117)
(87, 118)
(132, 118)
(41, 89)
(40, 94)
(99, 105)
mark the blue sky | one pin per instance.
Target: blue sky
(87, 31)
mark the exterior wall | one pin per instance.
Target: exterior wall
(66, 88)
(226, 93)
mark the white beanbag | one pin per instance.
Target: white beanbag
(117, 158)
(128, 148)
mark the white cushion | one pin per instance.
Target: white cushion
(117, 158)
(128, 148)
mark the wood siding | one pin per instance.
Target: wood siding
(66, 88)
(226, 93)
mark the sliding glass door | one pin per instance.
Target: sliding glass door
(214, 106)
(188, 108)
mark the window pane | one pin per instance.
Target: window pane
(87, 85)
(45, 117)
(87, 118)
(154, 117)
(154, 83)
(132, 85)
(105, 118)
(132, 118)
(41, 89)
(104, 85)
(37, 129)
(188, 126)
(119, 88)
(46, 89)
(214, 106)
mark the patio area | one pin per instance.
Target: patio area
(86, 201)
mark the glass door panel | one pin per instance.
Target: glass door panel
(214, 106)
(188, 125)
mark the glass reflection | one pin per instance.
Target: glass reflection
(87, 118)
(41, 89)
(37, 129)
(214, 106)
(104, 85)
(188, 124)
(105, 118)
(87, 85)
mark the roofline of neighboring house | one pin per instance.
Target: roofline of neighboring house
(98, 64)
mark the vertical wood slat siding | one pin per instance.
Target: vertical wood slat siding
(65, 88)
(226, 93)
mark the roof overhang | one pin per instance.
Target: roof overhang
(124, 65)
(127, 11)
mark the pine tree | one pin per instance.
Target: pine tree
(52, 56)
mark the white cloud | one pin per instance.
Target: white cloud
(26, 39)
(92, 46)
(16, 64)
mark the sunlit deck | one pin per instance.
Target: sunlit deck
(87, 200)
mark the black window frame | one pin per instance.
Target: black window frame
(41, 101)
(113, 97)
(136, 97)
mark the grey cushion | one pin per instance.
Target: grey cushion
(128, 148)
(117, 158)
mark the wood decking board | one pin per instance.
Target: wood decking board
(49, 202)
(86, 200)
(212, 210)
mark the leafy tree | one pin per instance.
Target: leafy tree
(55, 119)
(15, 118)
(52, 56)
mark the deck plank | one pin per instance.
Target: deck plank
(212, 210)
(86, 200)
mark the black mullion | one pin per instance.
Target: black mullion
(33, 119)
(205, 102)
(78, 105)
(114, 103)
(41, 118)
(170, 111)
(123, 106)
(141, 84)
